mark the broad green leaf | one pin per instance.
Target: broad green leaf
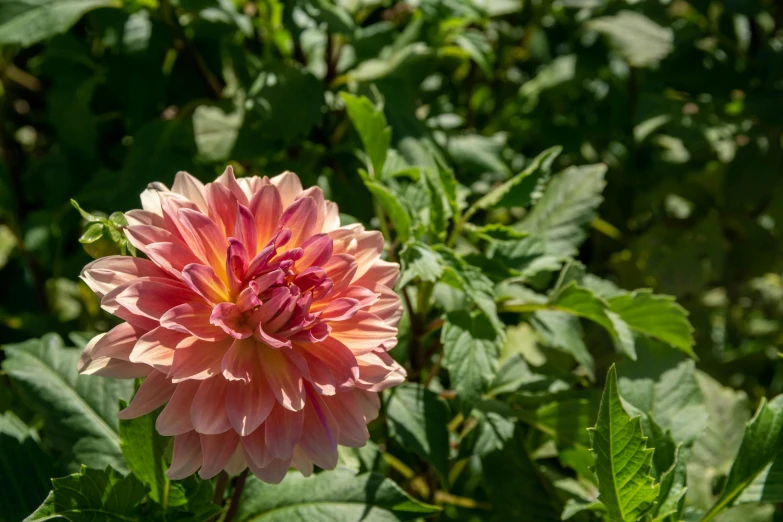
(566, 420)
(658, 316)
(216, 131)
(471, 349)
(663, 384)
(143, 449)
(495, 425)
(92, 495)
(767, 486)
(639, 40)
(669, 467)
(563, 332)
(761, 444)
(341, 495)
(575, 300)
(518, 191)
(370, 124)
(419, 260)
(80, 411)
(623, 460)
(418, 419)
(567, 206)
(438, 209)
(24, 469)
(714, 450)
(478, 153)
(516, 488)
(475, 43)
(27, 22)
(393, 208)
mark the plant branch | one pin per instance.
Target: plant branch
(239, 486)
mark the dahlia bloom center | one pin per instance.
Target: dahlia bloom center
(258, 321)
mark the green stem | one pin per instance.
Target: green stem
(239, 486)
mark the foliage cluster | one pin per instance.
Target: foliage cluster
(584, 195)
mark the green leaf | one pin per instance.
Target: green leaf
(339, 495)
(669, 466)
(90, 218)
(471, 350)
(475, 43)
(567, 420)
(516, 488)
(623, 460)
(767, 487)
(24, 469)
(714, 450)
(639, 40)
(563, 332)
(92, 495)
(658, 316)
(419, 260)
(80, 411)
(663, 384)
(494, 232)
(26, 22)
(567, 206)
(418, 419)
(216, 131)
(518, 191)
(393, 208)
(144, 449)
(370, 124)
(761, 444)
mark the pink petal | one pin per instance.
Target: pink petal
(208, 410)
(369, 402)
(378, 371)
(175, 417)
(228, 180)
(154, 392)
(187, 456)
(204, 237)
(320, 204)
(369, 247)
(144, 217)
(273, 473)
(236, 265)
(172, 257)
(240, 363)
(142, 235)
(117, 342)
(340, 269)
(334, 355)
(340, 309)
(156, 348)
(283, 377)
(319, 432)
(153, 297)
(222, 208)
(301, 218)
(289, 186)
(106, 274)
(114, 368)
(191, 188)
(332, 217)
(301, 462)
(193, 319)
(266, 207)
(237, 463)
(317, 251)
(381, 272)
(283, 429)
(349, 415)
(230, 319)
(204, 280)
(248, 404)
(216, 450)
(110, 304)
(363, 333)
(197, 359)
(256, 450)
(245, 230)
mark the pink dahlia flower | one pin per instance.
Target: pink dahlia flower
(258, 321)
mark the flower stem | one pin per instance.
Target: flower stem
(239, 485)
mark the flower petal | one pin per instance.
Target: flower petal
(216, 450)
(248, 404)
(192, 319)
(155, 391)
(283, 429)
(208, 410)
(175, 417)
(187, 456)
